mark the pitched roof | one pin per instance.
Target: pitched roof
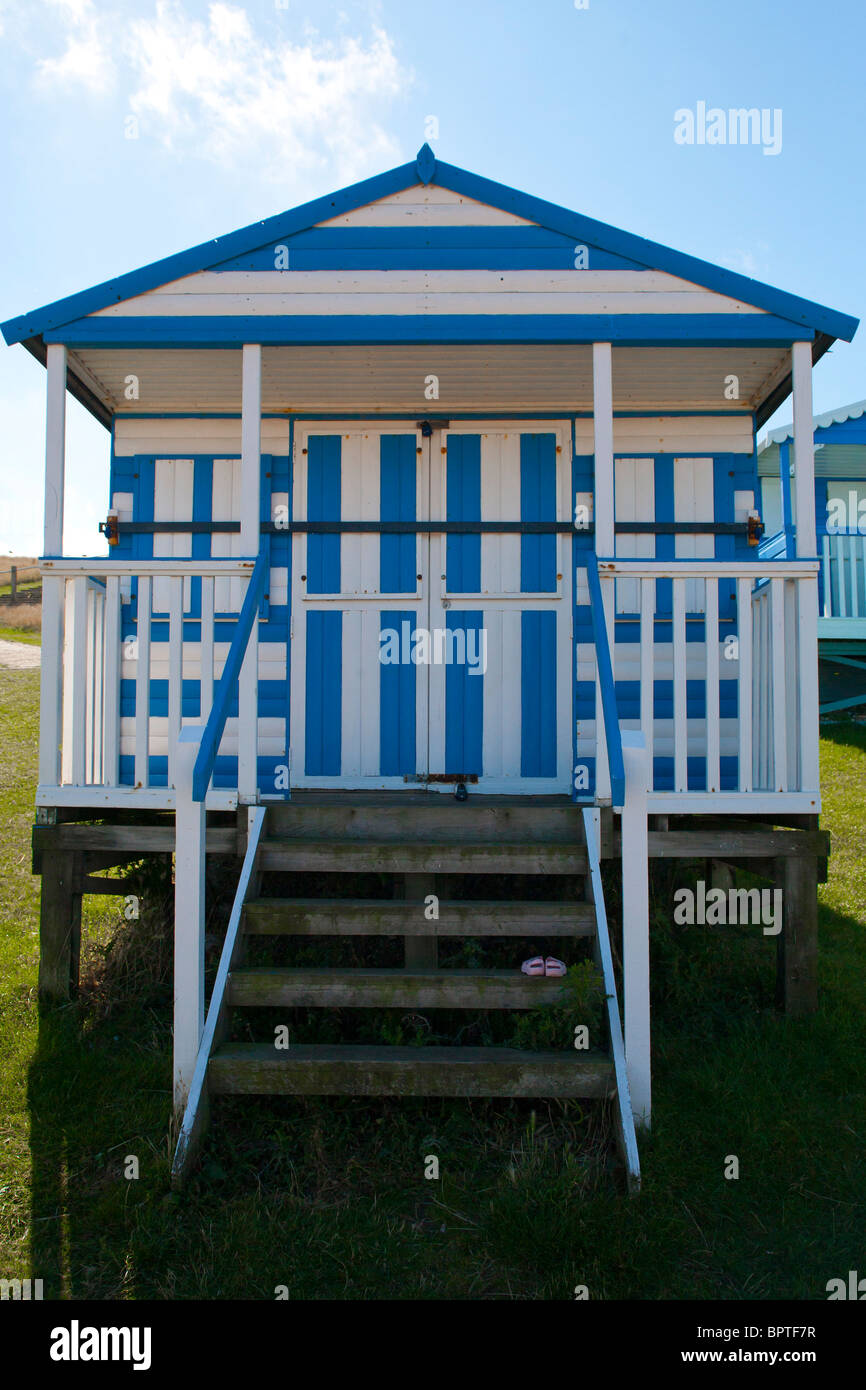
(819, 422)
(820, 321)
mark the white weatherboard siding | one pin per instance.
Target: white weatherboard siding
(634, 491)
(214, 436)
(427, 292)
(172, 501)
(693, 501)
(651, 434)
(226, 506)
(427, 206)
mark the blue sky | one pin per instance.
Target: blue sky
(244, 110)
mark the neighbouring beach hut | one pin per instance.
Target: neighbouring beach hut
(840, 511)
(433, 552)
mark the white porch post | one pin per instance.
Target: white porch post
(602, 511)
(602, 419)
(251, 463)
(807, 544)
(635, 925)
(251, 446)
(189, 915)
(804, 449)
(53, 590)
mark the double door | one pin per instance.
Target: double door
(422, 656)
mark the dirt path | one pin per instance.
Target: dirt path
(19, 656)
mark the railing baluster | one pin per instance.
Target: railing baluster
(111, 684)
(98, 684)
(207, 641)
(248, 737)
(712, 703)
(828, 579)
(78, 681)
(647, 669)
(760, 717)
(680, 707)
(602, 765)
(841, 577)
(744, 690)
(175, 669)
(142, 684)
(780, 733)
(793, 712)
(852, 571)
(807, 651)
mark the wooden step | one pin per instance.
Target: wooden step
(391, 989)
(307, 1070)
(395, 917)
(362, 856)
(436, 818)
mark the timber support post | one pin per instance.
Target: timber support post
(420, 952)
(59, 927)
(797, 943)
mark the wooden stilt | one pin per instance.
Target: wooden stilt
(721, 875)
(59, 927)
(797, 948)
(421, 952)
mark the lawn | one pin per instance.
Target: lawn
(329, 1198)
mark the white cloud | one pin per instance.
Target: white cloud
(86, 61)
(220, 89)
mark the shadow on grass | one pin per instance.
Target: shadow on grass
(329, 1198)
(843, 730)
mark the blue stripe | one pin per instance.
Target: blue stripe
(323, 504)
(463, 475)
(464, 702)
(324, 694)
(645, 330)
(538, 503)
(397, 682)
(538, 694)
(397, 473)
(665, 545)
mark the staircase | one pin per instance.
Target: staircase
(436, 856)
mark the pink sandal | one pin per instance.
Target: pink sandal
(552, 966)
(535, 966)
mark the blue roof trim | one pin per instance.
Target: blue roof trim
(208, 254)
(425, 163)
(218, 331)
(648, 254)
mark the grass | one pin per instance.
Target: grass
(21, 621)
(329, 1198)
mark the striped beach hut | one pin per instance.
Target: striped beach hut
(434, 548)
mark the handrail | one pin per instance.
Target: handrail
(604, 958)
(194, 1116)
(606, 686)
(216, 722)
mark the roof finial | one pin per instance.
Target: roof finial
(425, 163)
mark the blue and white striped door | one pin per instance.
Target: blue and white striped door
(414, 654)
(511, 596)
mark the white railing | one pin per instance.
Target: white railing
(844, 575)
(771, 654)
(80, 746)
(83, 749)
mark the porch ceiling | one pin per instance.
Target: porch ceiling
(507, 377)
